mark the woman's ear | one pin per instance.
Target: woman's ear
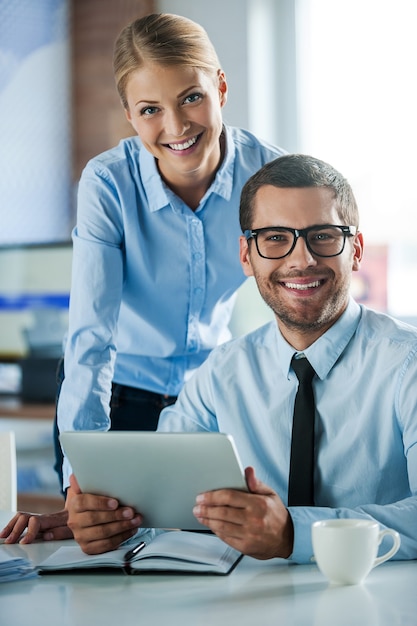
(221, 77)
(357, 251)
(245, 256)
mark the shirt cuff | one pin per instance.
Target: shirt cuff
(303, 517)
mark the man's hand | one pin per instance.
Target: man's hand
(256, 523)
(44, 527)
(98, 523)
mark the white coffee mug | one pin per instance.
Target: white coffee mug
(346, 549)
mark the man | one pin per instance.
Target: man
(365, 385)
(301, 243)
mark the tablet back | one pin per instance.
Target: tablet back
(159, 474)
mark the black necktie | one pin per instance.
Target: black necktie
(301, 485)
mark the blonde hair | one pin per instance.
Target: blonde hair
(165, 39)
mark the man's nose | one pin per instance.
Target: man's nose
(301, 255)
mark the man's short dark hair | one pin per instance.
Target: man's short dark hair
(298, 171)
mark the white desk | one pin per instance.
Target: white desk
(256, 593)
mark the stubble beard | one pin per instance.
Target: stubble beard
(304, 318)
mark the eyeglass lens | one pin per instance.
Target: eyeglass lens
(278, 242)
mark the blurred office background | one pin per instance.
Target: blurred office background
(330, 78)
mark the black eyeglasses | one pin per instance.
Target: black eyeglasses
(276, 242)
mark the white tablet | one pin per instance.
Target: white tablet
(159, 474)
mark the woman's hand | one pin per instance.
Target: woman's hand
(44, 527)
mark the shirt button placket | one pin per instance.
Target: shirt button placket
(197, 282)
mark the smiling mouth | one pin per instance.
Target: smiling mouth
(179, 147)
(303, 286)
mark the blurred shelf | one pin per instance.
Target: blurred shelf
(39, 503)
(12, 406)
(37, 482)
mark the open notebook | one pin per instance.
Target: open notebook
(176, 551)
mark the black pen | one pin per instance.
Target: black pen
(130, 554)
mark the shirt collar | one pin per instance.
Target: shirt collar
(156, 191)
(223, 182)
(326, 350)
(152, 182)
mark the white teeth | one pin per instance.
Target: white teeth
(316, 283)
(183, 146)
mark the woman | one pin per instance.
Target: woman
(156, 257)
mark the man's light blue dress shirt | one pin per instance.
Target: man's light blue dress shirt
(153, 282)
(366, 418)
